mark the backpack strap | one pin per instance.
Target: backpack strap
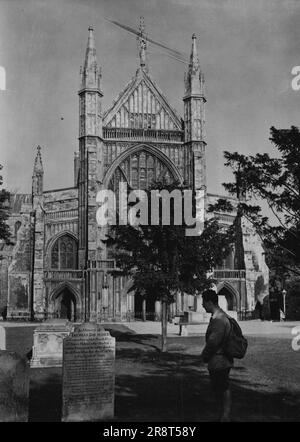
(226, 335)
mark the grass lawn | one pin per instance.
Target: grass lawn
(174, 386)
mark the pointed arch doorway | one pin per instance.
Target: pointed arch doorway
(65, 305)
(227, 298)
(144, 309)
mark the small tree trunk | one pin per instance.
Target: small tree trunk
(164, 324)
(144, 310)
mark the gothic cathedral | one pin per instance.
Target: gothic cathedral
(58, 266)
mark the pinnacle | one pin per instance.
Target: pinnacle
(142, 43)
(90, 73)
(194, 61)
(38, 164)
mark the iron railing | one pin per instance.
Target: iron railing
(245, 315)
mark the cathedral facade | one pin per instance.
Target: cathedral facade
(58, 265)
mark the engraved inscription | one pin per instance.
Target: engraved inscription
(88, 374)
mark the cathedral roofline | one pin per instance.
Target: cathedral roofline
(136, 79)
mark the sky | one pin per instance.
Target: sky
(246, 51)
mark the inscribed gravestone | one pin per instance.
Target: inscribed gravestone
(14, 387)
(88, 374)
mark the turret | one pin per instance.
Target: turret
(91, 72)
(90, 159)
(194, 134)
(38, 174)
(194, 99)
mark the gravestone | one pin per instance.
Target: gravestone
(17, 337)
(48, 339)
(14, 387)
(88, 374)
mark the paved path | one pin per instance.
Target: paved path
(255, 327)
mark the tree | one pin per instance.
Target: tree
(4, 213)
(293, 300)
(162, 260)
(276, 181)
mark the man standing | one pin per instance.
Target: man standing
(219, 364)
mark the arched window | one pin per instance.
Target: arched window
(140, 170)
(64, 253)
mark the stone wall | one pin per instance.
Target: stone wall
(257, 272)
(19, 295)
(61, 207)
(52, 214)
(3, 284)
(20, 264)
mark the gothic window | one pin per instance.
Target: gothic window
(134, 178)
(64, 253)
(134, 171)
(142, 159)
(140, 170)
(119, 176)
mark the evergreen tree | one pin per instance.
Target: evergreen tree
(276, 181)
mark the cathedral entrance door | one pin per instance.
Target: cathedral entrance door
(144, 309)
(66, 305)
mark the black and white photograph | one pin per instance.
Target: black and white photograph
(149, 214)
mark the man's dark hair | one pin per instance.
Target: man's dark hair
(210, 295)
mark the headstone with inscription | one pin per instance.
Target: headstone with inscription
(14, 387)
(48, 343)
(88, 374)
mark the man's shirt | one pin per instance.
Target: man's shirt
(216, 334)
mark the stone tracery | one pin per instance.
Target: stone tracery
(64, 253)
(139, 170)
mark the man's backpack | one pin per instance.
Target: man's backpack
(236, 344)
